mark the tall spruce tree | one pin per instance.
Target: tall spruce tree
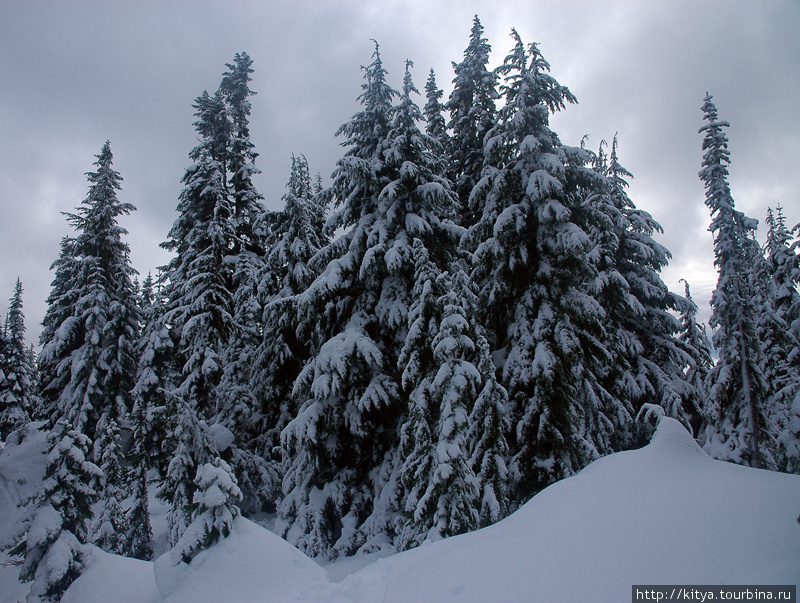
(298, 236)
(344, 444)
(530, 247)
(647, 360)
(737, 428)
(433, 111)
(17, 377)
(779, 299)
(694, 337)
(195, 368)
(92, 323)
(472, 115)
(88, 343)
(198, 311)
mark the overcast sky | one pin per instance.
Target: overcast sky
(75, 73)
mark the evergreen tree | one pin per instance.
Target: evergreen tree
(299, 235)
(530, 266)
(435, 125)
(343, 444)
(779, 296)
(216, 499)
(110, 527)
(647, 360)
(139, 535)
(737, 427)
(156, 372)
(54, 368)
(195, 369)
(53, 529)
(472, 115)
(89, 337)
(418, 364)
(93, 321)
(198, 312)
(17, 395)
(453, 439)
(694, 337)
(192, 445)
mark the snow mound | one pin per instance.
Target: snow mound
(664, 514)
(251, 564)
(113, 579)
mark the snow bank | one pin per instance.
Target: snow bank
(665, 514)
(114, 579)
(252, 564)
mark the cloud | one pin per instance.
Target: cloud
(77, 73)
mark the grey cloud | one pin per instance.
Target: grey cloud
(77, 73)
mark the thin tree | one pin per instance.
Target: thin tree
(737, 427)
(17, 378)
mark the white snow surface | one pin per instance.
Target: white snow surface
(664, 514)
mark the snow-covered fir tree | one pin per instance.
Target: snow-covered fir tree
(417, 445)
(54, 371)
(17, 373)
(109, 527)
(154, 377)
(472, 114)
(694, 336)
(453, 448)
(92, 323)
(88, 343)
(344, 442)
(192, 445)
(737, 428)
(433, 111)
(198, 312)
(195, 369)
(779, 299)
(216, 499)
(647, 360)
(54, 527)
(298, 233)
(530, 266)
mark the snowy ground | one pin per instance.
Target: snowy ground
(665, 514)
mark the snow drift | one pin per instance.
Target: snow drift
(664, 514)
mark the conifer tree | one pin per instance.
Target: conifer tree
(418, 364)
(694, 337)
(54, 372)
(350, 394)
(737, 427)
(110, 527)
(778, 278)
(530, 266)
(647, 360)
(50, 535)
(138, 538)
(298, 234)
(216, 499)
(89, 337)
(93, 321)
(435, 125)
(17, 395)
(472, 115)
(195, 368)
(155, 375)
(453, 446)
(198, 313)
